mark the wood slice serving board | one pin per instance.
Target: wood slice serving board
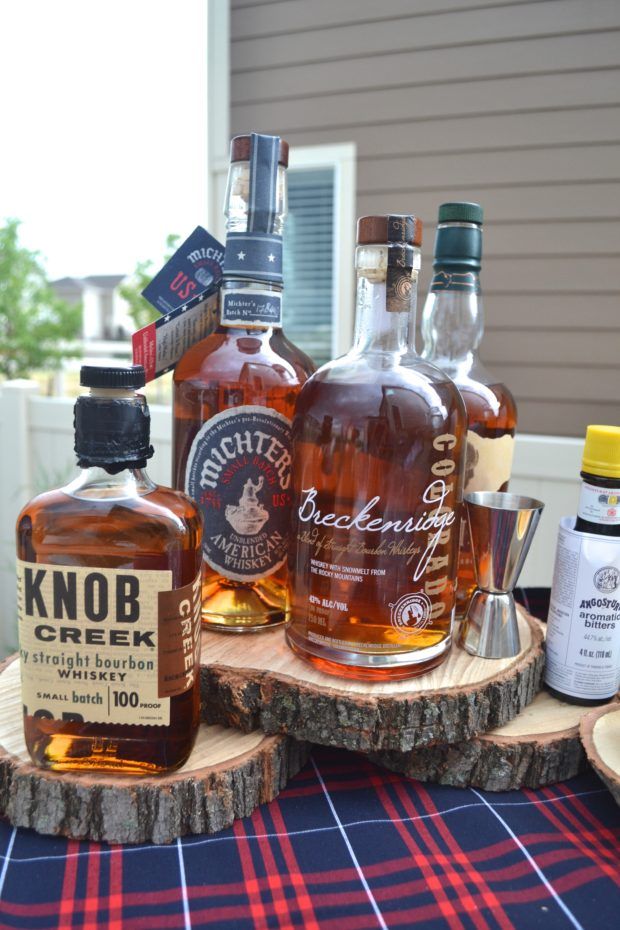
(539, 747)
(600, 734)
(257, 681)
(227, 776)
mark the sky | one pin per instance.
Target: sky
(102, 128)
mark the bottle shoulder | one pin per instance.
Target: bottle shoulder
(376, 371)
(240, 354)
(161, 507)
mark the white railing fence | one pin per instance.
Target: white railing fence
(36, 434)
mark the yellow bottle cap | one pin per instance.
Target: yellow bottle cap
(601, 454)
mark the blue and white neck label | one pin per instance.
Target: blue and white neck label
(251, 308)
(257, 256)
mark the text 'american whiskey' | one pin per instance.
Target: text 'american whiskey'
(109, 599)
(378, 443)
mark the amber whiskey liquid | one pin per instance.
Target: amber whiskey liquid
(231, 369)
(491, 427)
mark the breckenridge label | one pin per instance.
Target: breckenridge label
(238, 472)
(104, 645)
(249, 308)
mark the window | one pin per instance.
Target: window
(318, 250)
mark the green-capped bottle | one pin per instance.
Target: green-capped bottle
(452, 329)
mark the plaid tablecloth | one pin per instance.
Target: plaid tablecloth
(346, 846)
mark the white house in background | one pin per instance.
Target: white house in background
(105, 316)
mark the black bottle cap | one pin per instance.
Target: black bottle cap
(112, 376)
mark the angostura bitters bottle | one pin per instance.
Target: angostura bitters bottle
(452, 329)
(109, 599)
(377, 475)
(234, 396)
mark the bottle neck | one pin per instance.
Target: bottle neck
(98, 483)
(453, 318)
(385, 306)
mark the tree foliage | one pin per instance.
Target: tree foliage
(37, 328)
(140, 310)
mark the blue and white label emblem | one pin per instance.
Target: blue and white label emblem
(239, 473)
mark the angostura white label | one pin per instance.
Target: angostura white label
(239, 473)
(583, 629)
(104, 645)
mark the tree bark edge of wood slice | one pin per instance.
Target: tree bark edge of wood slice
(506, 758)
(228, 775)
(239, 688)
(600, 735)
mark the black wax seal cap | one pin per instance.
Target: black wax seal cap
(112, 431)
(112, 376)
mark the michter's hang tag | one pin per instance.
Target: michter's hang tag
(583, 628)
(191, 274)
(257, 253)
(399, 284)
(105, 645)
(238, 472)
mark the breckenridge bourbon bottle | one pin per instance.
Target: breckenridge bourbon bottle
(377, 475)
(234, 396)
(452, 329)
(109, 599)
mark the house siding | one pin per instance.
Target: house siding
(515, 105)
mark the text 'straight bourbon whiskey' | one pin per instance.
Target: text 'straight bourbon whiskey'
(109, 599)
(377, 476)
(452, 329)
(234, 395)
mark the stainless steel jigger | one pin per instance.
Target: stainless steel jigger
(501, 528)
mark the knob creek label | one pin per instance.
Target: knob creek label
(238, 472)
(105, 645)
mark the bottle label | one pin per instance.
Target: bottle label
(488, 462)
(251, 308)
(583, 628)
(467, 281)
(254, 255)
(103, 645)
(599, 505)
(389, 558)
(239, 472)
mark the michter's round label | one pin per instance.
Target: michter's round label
(239, 472)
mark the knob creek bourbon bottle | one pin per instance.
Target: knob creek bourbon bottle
(377, 478)
(452, 329)
(109, 599)
(234, 396)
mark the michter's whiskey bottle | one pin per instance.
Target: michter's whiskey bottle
(452, 329)
(234, 396)
(109, 599)
(377, 476)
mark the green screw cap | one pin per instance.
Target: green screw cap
(460, 212)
